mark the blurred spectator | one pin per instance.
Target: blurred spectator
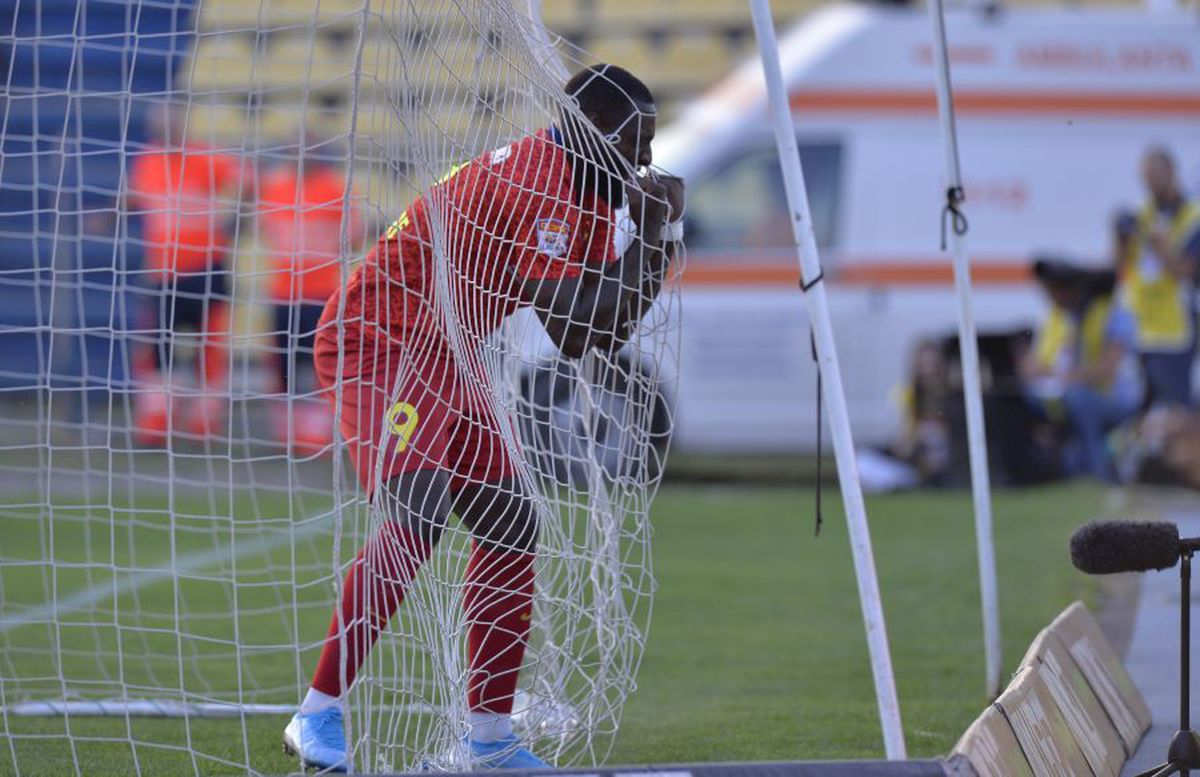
(921, 455)
(1164, 447)
(925, 442)
(1158, 256)
(1083, 369)
(186, 198)
(302, 209)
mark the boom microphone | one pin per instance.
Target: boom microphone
(1107, 547)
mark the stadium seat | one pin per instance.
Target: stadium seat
(786, 12)
(382, 190)
(275, 125)
(328, 123)
(679, 63)
(216, 124)
(669, 14)
(296, 59)
(219, 15)
(630, 52)
(376, 120)
(694, 61)
(220, 63)
(380, 62)
(277, 14)
(564, 15)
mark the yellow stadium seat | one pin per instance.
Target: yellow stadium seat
(387, 62)
(446, 124)
(307, 64)
(669, 14)
(380, 62)
(275, 15)
(216, 125)
(276, 125)
(631, 52)
(229, 15)
(789, 11)
(372, 121)
(382, 194)
(693, 61)
(376, 120)
(219, 63)
(564, 15)
(681, 63)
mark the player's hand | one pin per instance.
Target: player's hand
(675, 194)
(647, 202)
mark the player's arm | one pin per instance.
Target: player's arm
(638, 304)
(578, 312)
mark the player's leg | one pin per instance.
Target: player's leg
(281, 360)
(209, 295)
(396, 442)
(151, 360)
(416, 506)
(498, 590)
(281, 312)
(312, 420)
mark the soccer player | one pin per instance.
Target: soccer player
(302, 206)
(537, 223)
(186, 197)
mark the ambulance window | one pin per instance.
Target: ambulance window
(741, 205)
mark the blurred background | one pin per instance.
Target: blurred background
(1062, 110)
(183, 184)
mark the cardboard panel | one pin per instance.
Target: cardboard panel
(992, 748)
(1079, 632)
(1093, 730)
(1042, 731)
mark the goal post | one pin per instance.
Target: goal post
(955, 223)
(826, 355)
(184, 185)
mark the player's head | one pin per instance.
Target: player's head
(620, 106)
(1158, 172)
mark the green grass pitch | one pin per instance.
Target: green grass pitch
(756, 648)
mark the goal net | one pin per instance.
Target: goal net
(182, 187)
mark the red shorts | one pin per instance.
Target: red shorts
(425, 423)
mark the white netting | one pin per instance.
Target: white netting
(183, 187)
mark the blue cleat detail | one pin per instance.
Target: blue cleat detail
(318, 739)
(504, 753)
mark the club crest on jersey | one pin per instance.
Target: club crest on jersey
(553, 236)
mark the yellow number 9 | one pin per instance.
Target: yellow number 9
(402, 420)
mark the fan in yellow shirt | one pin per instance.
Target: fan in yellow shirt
(1158, 256)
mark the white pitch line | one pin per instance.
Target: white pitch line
(189, 562)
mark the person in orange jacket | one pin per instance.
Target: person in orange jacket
(186, 197)
(307, 213)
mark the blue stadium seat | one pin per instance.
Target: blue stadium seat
(69, 68)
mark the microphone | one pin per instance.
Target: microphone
(1107, 547)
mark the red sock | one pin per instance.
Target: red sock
(499, 603)
(374, 588)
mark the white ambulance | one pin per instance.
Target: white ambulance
(1054, 110)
